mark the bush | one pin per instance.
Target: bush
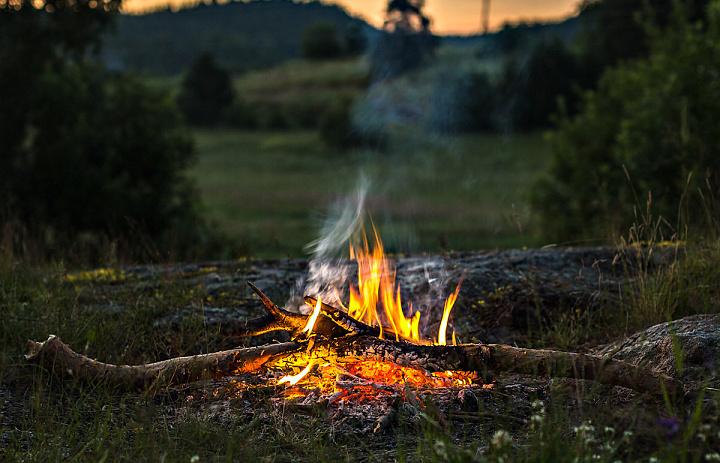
(396, 52)
(320, 41)
(87, 154)
(206, 92)
(531, 91)
(106, 156)
(650, 126)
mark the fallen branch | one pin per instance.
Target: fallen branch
(345, 348)
(479, 358)
(57, 357)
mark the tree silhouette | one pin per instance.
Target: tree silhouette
(407, 16)
(406, 39)
(206, 92)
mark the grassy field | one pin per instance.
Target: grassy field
(268, 191)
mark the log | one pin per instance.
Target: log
(56, 356)
(478, 358)
(341, 340)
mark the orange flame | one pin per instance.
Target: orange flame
(376, 301)
(446, 315)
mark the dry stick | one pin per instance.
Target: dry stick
(480, 358)
(278, 319)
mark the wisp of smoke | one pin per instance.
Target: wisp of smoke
(328, 273)
(344, 220)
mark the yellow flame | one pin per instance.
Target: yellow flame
(313, 318)
(446, 315)
(376, 300)
(293, 379)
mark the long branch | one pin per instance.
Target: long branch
(56, 356)
(480, 358)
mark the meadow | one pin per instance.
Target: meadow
(270, 191)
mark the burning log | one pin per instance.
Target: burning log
(345, 343)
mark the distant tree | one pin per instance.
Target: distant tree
(406, 15)
(543, 83)
(320, 41)
(355, 39)
(406, 39)
(85, 151)
(206, 92)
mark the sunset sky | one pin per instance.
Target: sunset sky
(448, 16)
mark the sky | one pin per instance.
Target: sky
(448, 16)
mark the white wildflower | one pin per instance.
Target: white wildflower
(501, 439)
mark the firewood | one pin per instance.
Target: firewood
(480, 358)
(340, 346)
(57, 357)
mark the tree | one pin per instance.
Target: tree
(614, 33)
(529, 94)
(406, 39)
(85, 151)
(206, 92)
(320, 41)
(649, 128)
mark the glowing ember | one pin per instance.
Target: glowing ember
(390, 373)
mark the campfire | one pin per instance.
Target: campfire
(375, 307)
(371, 348)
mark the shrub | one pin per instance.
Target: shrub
(206, 92)
(320, 41)
(650, 126)
(532, 90)
(88, 154)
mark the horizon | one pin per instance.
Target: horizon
(449, 17)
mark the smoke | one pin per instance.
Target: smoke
(344, 220)
(330, 270)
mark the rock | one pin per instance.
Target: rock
(696, 338)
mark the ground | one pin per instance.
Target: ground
(521, 297)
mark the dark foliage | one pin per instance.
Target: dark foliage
(405, 42)
(397, 52)
(320, 41)
(647, 135)
(206, 92)
(531, 92)
(614, 32)
(85, 152)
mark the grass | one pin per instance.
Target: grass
(268, 191)
(44, 419)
